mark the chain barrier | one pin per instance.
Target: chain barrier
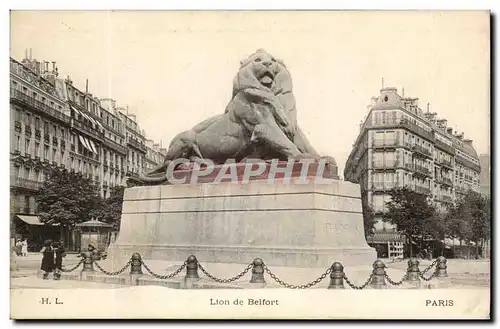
(167, 276)
(429, 267)
(120, 271)
(291, 286)
(229, 280)
(73, 268)
(353, 286)
(396, 283)
(421, 274)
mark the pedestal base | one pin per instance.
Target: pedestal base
(300, 225)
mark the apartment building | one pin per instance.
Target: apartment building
(399, 145)
(55, 124)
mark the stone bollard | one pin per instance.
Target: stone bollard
(192, 268)
(258, 271)
(378, 278)
(441, 268)
(412, 273)
(88, 261)
(136, 264)
(337, 276)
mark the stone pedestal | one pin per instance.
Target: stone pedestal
(311, 225)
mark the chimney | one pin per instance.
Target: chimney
(30, 54)
(468, 141)
(26, 53)
(46, 66)
(53, 66)
(449, 131)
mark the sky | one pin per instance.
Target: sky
(174, 69)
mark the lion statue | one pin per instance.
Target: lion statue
(259, 121)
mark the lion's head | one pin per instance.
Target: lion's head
(258, 71)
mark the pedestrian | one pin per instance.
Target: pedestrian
(18, 247)
(59, 254)
(24, 247)
(47, 259)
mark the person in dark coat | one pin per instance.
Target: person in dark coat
(47, 259)
(59, 254)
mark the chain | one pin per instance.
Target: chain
(394, 283)
(73, 268)
(353, 286)
(291, 286)
(120, 271)
(429, 267)
(229, 280)
(167, 276)
(421, 274)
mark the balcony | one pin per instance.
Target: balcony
(446, 164)
(115, 146)
(444, 147)
(417, 149)
(423, 190)
(445, 181)
(133, 143)
(447, 199)
(72, 147)
(467, 163)
(63, 144)
(418, 130)
(419, 170)
(105, 168)
(55, 142)
(46, 138)
(26, 100)
(38, 134)
(25, 183)
(18, 126)
(87, 130)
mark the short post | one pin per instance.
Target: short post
(378, 278)
(136, 264)
(412, 273)
(192, 268)
(258, 271)
(441, 268)
(337, 276)
(88, 261)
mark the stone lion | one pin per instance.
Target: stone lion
(254, 119)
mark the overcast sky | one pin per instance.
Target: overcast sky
(173, 69)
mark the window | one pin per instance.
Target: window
(27, 146)
(18, 143)
(37, 123)
(26, 173)
(54, 154)
(389, 180)
(378, 160)
(46, 127)
(389, 159)
(46, 152)
(37, 149)
(17, 115)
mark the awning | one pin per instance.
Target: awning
(32, 220)
(94, 223)
(385, 237)
(85, 143)
(92, 145)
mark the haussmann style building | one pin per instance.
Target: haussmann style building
(399, 145)
(56, 125)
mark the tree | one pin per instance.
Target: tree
(471, 218)
(111, 210)
(411, 214)
(67, 198)
(368, 219)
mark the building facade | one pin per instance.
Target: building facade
(400, 145)
(55, 124)
(485, 177)
(154, 155)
